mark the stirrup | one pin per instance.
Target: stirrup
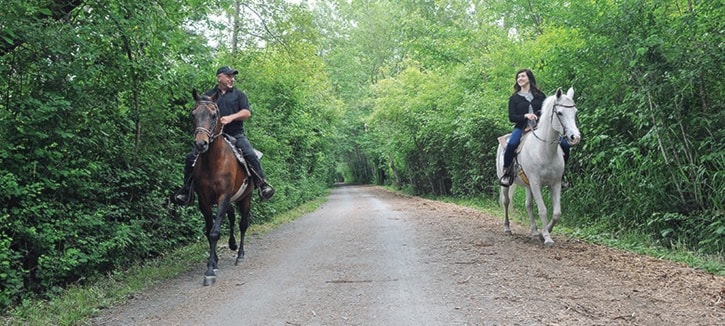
(507, 179)
(181, 197)
(265, 195)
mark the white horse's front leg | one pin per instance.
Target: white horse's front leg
(556, 206)
(530, 212)
(543, 213)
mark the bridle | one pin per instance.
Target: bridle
(563, 132)
(207, 132)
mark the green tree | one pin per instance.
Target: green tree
(81, 108)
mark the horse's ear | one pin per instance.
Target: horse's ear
(214, 96)
(558, 92)
(195, 94)
(570, 93)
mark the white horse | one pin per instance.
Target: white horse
(540, 162)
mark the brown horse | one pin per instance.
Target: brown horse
(219, 180)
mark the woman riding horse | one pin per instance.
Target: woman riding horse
(524, 110)
(540, 164)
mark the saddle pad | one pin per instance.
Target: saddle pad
(503, 140)
(235, 150)
(231, 141)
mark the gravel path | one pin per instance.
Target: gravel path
(373, 257)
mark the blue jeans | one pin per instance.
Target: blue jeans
(515, 140)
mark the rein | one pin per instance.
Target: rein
(556, 141)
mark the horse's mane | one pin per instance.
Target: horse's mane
(558, 98)
(547, 108)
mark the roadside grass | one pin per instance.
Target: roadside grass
(628, 240)
(77, 304)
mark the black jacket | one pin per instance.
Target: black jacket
(519, 106)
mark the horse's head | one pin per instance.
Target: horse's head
(206, 121)
(565, 110)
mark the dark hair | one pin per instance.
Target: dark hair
(532, 82)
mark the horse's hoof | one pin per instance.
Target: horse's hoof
(239, 260)
(507, 232)
(548, 243)
(209, 280)
(233, 247)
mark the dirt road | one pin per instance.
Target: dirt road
(372, 257)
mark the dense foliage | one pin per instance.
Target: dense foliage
(94, 114)
(647, 76)
(95, 99)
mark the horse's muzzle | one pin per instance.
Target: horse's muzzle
(574, 139)
(201, 146)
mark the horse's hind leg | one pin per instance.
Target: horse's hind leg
(507, 194)
(530, 212)
(505, 205)
(232, 239)
(244, 206)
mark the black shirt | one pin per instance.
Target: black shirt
(231, 102)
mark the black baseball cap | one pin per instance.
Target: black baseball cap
(227, 71)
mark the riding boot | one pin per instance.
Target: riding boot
(564, 179)
(564, 182)
(507, 179)
(183, 196)
(265, 189)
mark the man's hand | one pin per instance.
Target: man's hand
(226, 119)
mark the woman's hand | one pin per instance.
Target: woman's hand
(530, 116)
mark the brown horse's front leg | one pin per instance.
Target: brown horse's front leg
(232, 239)
(213, 237)
(206, 211)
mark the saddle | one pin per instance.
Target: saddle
(503, 140)
(231, 141)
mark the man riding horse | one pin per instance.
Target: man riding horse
(234, 109)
